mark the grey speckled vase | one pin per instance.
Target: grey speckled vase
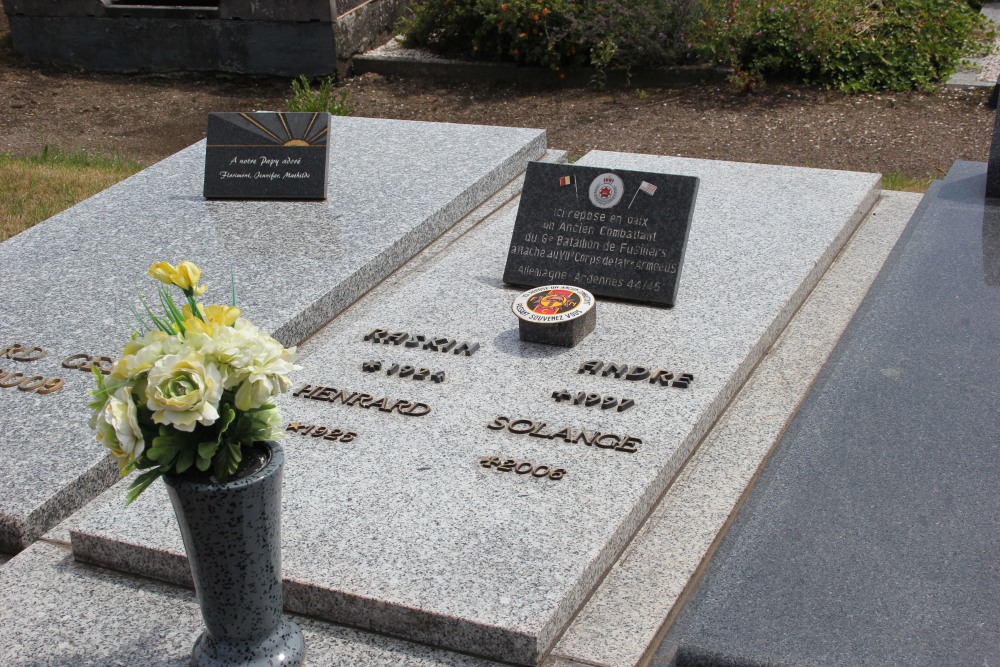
(232, 535)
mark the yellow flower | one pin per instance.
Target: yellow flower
(212, 318)
(185, 276)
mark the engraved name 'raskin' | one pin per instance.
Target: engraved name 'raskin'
(568, 434)
(360, 400)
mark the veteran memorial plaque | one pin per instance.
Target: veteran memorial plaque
(617, 233)
(266, 155)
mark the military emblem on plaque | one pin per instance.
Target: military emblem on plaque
(560, 315)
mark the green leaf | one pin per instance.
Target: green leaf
(140, 484)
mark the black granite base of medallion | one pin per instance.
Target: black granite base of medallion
(563, 334)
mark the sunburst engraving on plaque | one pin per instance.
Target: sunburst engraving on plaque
(266, 155)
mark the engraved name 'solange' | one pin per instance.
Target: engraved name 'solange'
(592, 400)
(522, 467)
(567, 434)
(22, 352)
(439, 344)
(360, 400)
(324, 432)
(660, 378)
(404, 371)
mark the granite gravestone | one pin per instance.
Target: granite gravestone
(266, 155)
(616, 233)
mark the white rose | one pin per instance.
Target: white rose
(141, 353)
(184, 389)
(256, 362)
(117, 426)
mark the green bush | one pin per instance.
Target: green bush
(304, 98)
(852, 45)
(560, 34)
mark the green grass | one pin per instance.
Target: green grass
(895, 180)
(37, 187)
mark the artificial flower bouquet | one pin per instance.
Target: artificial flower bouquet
(191, 389)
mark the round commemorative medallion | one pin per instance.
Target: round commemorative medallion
(553, 304)
(606, 190)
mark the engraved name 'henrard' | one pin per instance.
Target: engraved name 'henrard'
(660, 378)
(567, 434)
(405, 339)
(360, 400)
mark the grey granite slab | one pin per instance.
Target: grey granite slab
(620, 622)
(394, 186)
(872, 534)
(401, 530)
(61, 613)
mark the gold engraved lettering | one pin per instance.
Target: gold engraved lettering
(12, 379)
(521, 467)
(421, 341)
(357, 399)
(51, 386)
(567, 434)
(323, 432)
(31, 384)
(22, 352)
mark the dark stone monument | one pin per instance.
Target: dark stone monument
(871, 536)
(266, 155)
(993, 167)
(616, 233)
(253, 36)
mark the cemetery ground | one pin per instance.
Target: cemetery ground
(909, 137)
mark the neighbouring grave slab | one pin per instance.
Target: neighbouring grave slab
(394, 186)
(871, 536)
(396, 518)
(44, 588)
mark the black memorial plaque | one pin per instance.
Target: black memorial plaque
(266, 155)
(614, 232)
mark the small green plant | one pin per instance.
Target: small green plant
(641, 94)
(896, 180)
(304, 98)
